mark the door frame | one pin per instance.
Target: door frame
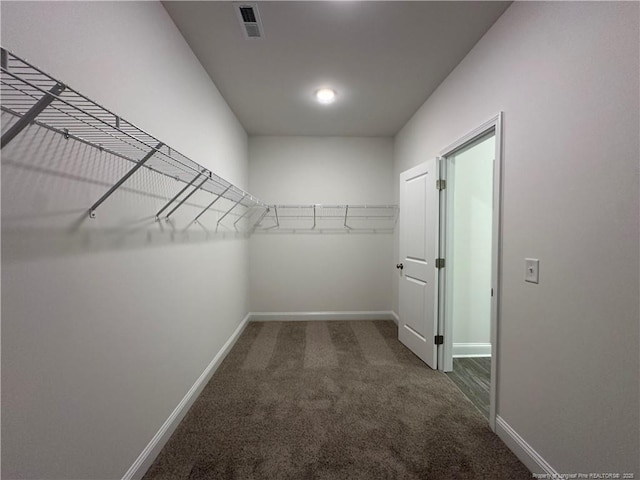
(445, 354)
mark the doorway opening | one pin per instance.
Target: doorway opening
(470, 211)
(468, 286)
(449, 246)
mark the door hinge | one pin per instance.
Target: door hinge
(438, 340)
(441, 184)
(439, 262)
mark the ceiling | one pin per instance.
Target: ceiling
(383, 59)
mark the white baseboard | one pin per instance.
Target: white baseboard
(309, 316)
(471, 350)
(525, 452)
(395, 318)
(151, 451)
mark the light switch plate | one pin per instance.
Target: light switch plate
(531, 273)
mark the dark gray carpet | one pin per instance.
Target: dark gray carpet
(473, 376)
(331, 400)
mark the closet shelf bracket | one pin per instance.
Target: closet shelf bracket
(118, 184)
(241, 217)
(33, 112)
(229, 211)
(346, 214)
(220, 195)
(264, 214)
(206, 177)
(166, 205)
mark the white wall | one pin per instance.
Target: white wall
(566, 77)
(470, 186)
(311, 272)
(106, 327)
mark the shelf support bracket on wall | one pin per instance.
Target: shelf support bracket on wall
(33, 112)
(187, 197)
(275, 209)
(220, 195)
(264, 214)
(242, 216)
(177, 195)
(234, 206)
(314, 217)
(126, 176)
(346, 213)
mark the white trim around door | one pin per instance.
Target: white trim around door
(445, 353)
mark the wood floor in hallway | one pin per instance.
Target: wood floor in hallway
(473, 376)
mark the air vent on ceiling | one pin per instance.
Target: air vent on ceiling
(249, 20)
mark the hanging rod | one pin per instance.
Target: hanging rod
(35, 97)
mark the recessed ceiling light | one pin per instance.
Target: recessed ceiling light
(325, 95)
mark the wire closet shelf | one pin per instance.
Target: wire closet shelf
(327, 218)
(35, 97)
(32, 96)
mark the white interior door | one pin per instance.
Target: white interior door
(418, 303)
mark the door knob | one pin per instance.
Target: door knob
(399, 266)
